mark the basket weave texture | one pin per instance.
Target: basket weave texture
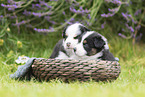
(71, 70)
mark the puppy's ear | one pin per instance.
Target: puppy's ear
(99, 42)
(63, 33)
(83, 29)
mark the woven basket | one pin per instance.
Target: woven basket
(71, 70)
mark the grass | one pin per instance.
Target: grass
(131, 82)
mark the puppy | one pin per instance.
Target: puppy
(71, 37)
(93, 46)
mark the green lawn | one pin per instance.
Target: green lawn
(131, 82)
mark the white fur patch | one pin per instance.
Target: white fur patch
(62, 55)
(85, 57)
(72, 31)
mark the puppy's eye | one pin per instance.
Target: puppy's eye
(84, 42)
(76, 36)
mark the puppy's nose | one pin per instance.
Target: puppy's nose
(68, 44)
(75, 49)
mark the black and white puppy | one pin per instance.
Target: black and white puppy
(71, 37)
(93, 46)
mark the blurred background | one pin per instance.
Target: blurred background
(32, 27)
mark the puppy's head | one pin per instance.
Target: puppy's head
(91, 45)
(72, 35)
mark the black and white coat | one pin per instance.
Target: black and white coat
(80, 43)
(93, 46)
(71, 36)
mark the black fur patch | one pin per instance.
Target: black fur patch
(94, 41)
(83, 30)
(58, 47)
(107, 55)
(63, 33)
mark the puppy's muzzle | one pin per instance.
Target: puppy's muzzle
(68, 44)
